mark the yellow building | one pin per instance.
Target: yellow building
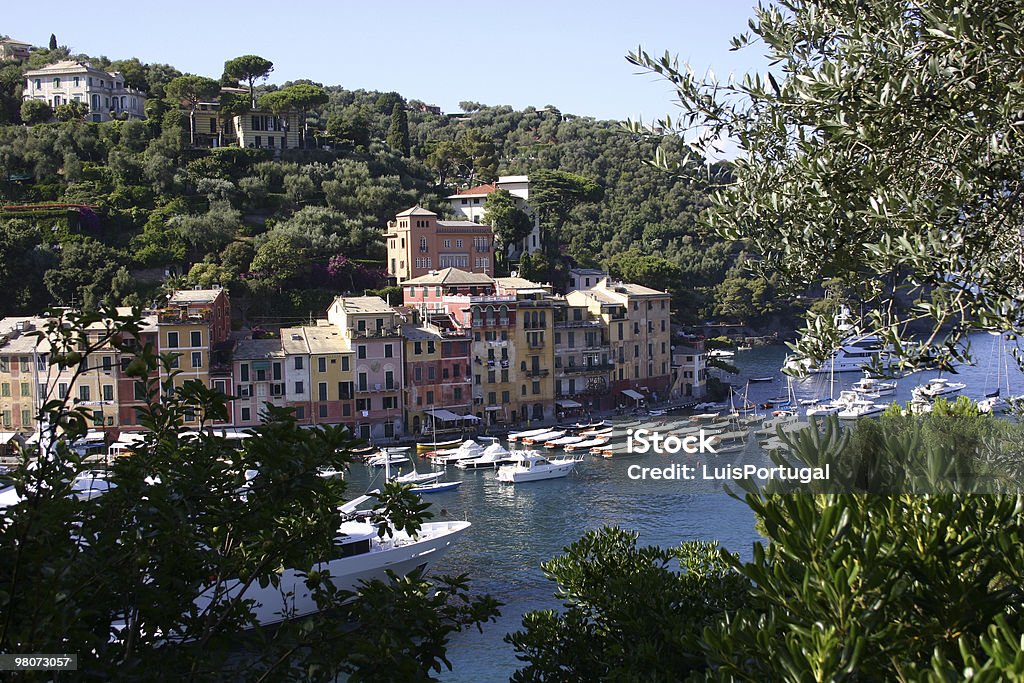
(318, 361)
(639, 333)
(193, 327)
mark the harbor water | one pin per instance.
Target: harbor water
(516, 528)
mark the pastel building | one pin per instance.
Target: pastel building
(104, 92)
(319, 374)
(194, 327)
(583, 367)
(438, 378)
(372, 329)
(14, 50)
(639, 336)
(689, 371)
(258, 368)
(418, 243)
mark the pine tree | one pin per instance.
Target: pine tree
(398, 134)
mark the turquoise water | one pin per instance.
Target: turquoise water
(515, 528)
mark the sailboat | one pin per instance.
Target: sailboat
(746, 407)
(995, 401)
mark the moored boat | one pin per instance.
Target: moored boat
(532, 466)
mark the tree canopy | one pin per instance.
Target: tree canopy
(881, 153)
(249, 69)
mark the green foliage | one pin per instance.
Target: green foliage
(398, 134)
(881, 153)
(511, 224)
(629, 613)
(71, 111)
(191, 90)
(248, 68)
(36, 111)
(651, 271)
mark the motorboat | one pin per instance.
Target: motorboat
(360, 555)
(861, 408)
(603, 431)
(545, 437)
(418, 478)
(759, 380)
(532, 466)
(940, 386)
(388, 457)
(493, 456)
(564, 441)
(467, 451)
(721, 353)
(331, 473)
(870, 385)
(587, 445)
(516, 436)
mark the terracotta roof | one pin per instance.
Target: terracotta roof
(478, 191)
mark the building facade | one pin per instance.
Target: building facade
(469, 204)
(105, 92)
(418, 243)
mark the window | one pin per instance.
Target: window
(389, 380)
(321, 391)
(277, 372)
(300, 413)
(56, 82)
(431, 372)
(361, 351)
(388, 351)
(298, 362)
(197, 359)
(244, 372)
(430, 398)
(26, 417)
(62, 390)
(299, 389)
(195, 338)
(246, 414)
(417, 348)
(492, 398)
(321, 364)
(108, 392)
(141, 392)
(172, 340)
(5, 364)
(83, 393)
(5, 390)
(344, 363)
(458, 393)
(458, 244)
(346, 410)
(536, 387)
(323, 410)
(362, 381)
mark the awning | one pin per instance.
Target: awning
(569, 403)
(471, 418)
(492, 408)
(443, 415)
(7, 436)
(636, 396)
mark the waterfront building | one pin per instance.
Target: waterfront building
(638, 320)
(438, 379)
(585, 278)
(105, 92)
(319, 374)
(22, 364)
(689, 371)
(194, 326)
(372, 328)
(583, 366)
(258, 368)
(417, 243)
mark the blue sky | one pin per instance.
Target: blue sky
(529, 52)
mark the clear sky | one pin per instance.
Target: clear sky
(530, 52)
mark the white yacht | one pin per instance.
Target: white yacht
(940, 386)
(493, 456)
(859, 408)
(532, 466)
(467, 451)
(360, 556)
(870, 385)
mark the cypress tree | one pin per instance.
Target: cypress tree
(53, 41)
(398, 134)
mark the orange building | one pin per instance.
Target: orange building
(418, 243)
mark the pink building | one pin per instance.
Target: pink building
(417, 243)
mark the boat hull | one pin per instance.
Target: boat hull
(293, 600)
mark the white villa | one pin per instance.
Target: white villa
(469, 204)
(104, 92)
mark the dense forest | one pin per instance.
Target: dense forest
(288, 233)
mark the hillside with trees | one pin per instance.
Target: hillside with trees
(153, 211)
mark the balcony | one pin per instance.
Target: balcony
(373, 333)
(595, 368)
(176, 316)
(537, 372)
